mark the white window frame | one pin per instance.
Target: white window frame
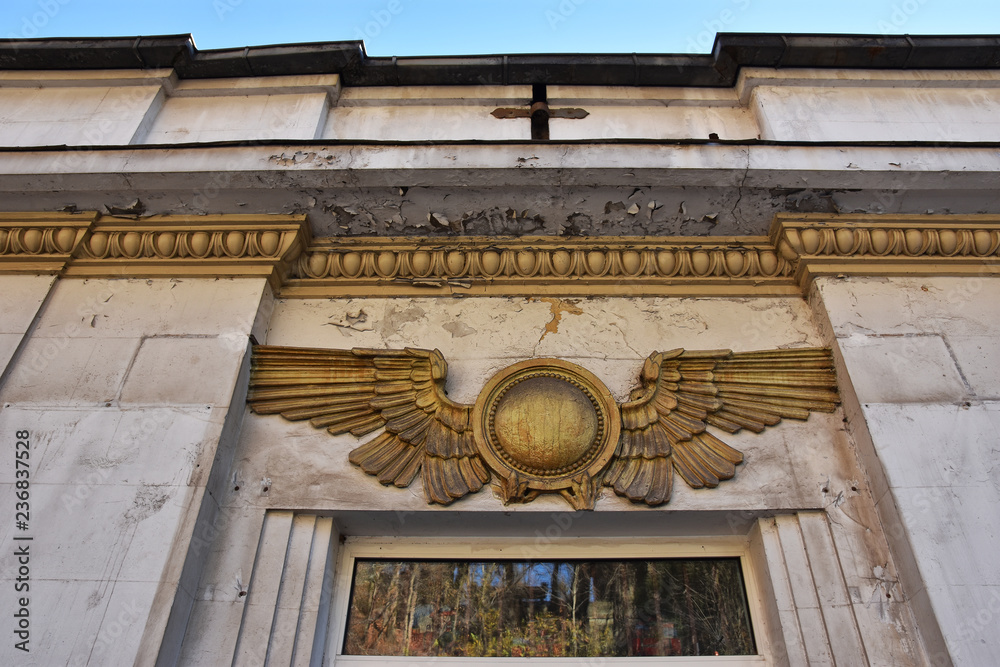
(529, 548)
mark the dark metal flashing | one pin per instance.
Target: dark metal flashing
(731, 51)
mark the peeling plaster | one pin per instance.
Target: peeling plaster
(458, 329)
(346, 208)
(355, 321)
(395, 318)
(558, 307)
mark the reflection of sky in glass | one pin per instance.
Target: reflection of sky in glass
(532, 574)
(529, 573)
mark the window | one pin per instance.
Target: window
(454, 602)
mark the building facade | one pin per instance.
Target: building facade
(166, 210)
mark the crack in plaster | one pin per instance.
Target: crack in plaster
(558, 307)
(625, 342)
(739, 190)
(882, 592)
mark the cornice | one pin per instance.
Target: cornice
(279, 248)
(583, 266)
(41, 243)
(876, 245)
(88, 245)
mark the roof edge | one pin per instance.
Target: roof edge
(731, 51)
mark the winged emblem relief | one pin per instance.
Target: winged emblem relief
(543, 425)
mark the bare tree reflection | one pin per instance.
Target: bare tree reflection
(509, 608)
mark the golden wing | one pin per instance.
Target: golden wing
(683, 391)
(360, 391)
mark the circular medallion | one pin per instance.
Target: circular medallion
(546, 420)
(545, 423)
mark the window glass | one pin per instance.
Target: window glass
(550, 608)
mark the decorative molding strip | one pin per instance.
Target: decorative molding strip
(92, 246)
(40, 242)
(541, 265)
(192, 246)
(878, 245)
(280, 248)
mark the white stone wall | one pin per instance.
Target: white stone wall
(427, 113)
(83, 116)
(420, 123)
(923, 358)
(239, 118)
(807, 105)
(658, 122)
(124, 387)
(20, 299)
(830, 113)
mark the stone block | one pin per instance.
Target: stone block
(929, 631)
(883, 625)
(858, 430)
(20, 298)
(950, 551)
(979, 359)
(410, 123)
(8, 346)
(970, 622)
(228, 546)
(897, 537)
(934, 445)
(121, 631)
(804, 113)
(902, 369)
(135, 308)
(67, 446)
(184, 370)
(92, 116)
(898, 305)
(84, 449)
(78, 371)
(236, 118)
(659, 122)
(122, 533)
(67, 616)
(212, 632)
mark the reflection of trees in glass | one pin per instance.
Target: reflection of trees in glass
(549, 608)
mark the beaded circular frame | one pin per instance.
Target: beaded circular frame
(592, 461)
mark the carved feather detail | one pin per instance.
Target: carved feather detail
(685, 391)
(399, 395)
(361, 391)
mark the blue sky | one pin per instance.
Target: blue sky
(434, 27)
